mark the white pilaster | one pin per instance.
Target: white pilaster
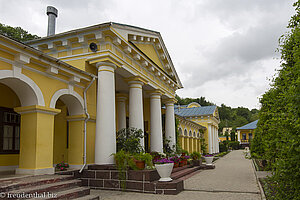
(105, 140)
(136, 119)
(210, 149)
(218, 147)
(156, 123)
(239, 136)
(170, 123)
(213, 138)
(121, 106)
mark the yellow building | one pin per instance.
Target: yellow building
(190, 134)
(246, 133)
(64, 96)
(206, 116)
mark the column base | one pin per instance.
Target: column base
(36, 171)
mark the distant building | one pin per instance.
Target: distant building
(206, 116)
(246, 133)
(229, 129)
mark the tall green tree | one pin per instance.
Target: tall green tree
(277, 137)
(16, 33)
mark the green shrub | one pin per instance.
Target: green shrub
(129, 140)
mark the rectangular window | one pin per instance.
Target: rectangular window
(244, 136)
(9, 131)
(250, 136)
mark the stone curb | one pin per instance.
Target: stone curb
(262, 193)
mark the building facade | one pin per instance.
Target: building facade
(246, 133)
(190, 134)
(207, 117)
(64, 96)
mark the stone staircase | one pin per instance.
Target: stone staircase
(145, 181)
(45, 187)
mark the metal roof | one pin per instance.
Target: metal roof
(195, 111)
(251, 125)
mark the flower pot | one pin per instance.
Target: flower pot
(140, 164)
(176, 165)
(197, 162)
(209, 160)
(164, 171)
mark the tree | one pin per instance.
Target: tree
(277, 137)
(16, 33)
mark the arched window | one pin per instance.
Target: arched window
(190, 133)
(198, 134)
(194, 134)
(180, 131)
(185, 132)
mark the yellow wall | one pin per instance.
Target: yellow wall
(11, 100)
(60, 151)
(149, 50)
(246, 131)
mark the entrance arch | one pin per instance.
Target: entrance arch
(68, 127)
(26, 89)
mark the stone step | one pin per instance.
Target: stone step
(102, 167)
(181, 173)
(179, 168)
(51, 187)
(19, 183)
(71, 193)
(89, 197)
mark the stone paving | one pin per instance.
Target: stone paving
(232, 179)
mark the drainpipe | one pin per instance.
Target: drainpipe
(85, 122)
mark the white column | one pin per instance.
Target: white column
(217, 143)
(239, 136)
(156, 123)
(136, 119)
(213, 138)
(210, 149)
(170, 123)
(105, 141)
(121, 106)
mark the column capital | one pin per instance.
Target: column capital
(37, 109)
(170, 101)
(121, 96)
(105, 66)
(136, 80)
(156, 92)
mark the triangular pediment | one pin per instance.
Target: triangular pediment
(151, 52)
(149, 43)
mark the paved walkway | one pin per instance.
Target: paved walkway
(232, 179)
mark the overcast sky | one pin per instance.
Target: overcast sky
(224, 50)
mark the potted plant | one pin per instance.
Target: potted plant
(176, 161)
(183, 160)
(62, 166)
(164, 168)
(141, 159)
(196, 158)
(209, 159)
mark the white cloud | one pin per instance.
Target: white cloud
(222, 50)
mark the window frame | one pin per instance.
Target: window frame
(15, 124)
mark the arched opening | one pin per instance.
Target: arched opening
(185, 140)
(68, 129)
(15, 92)
(180, 139)
(61, 134)
(9, 127)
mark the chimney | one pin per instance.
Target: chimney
(52, 14)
